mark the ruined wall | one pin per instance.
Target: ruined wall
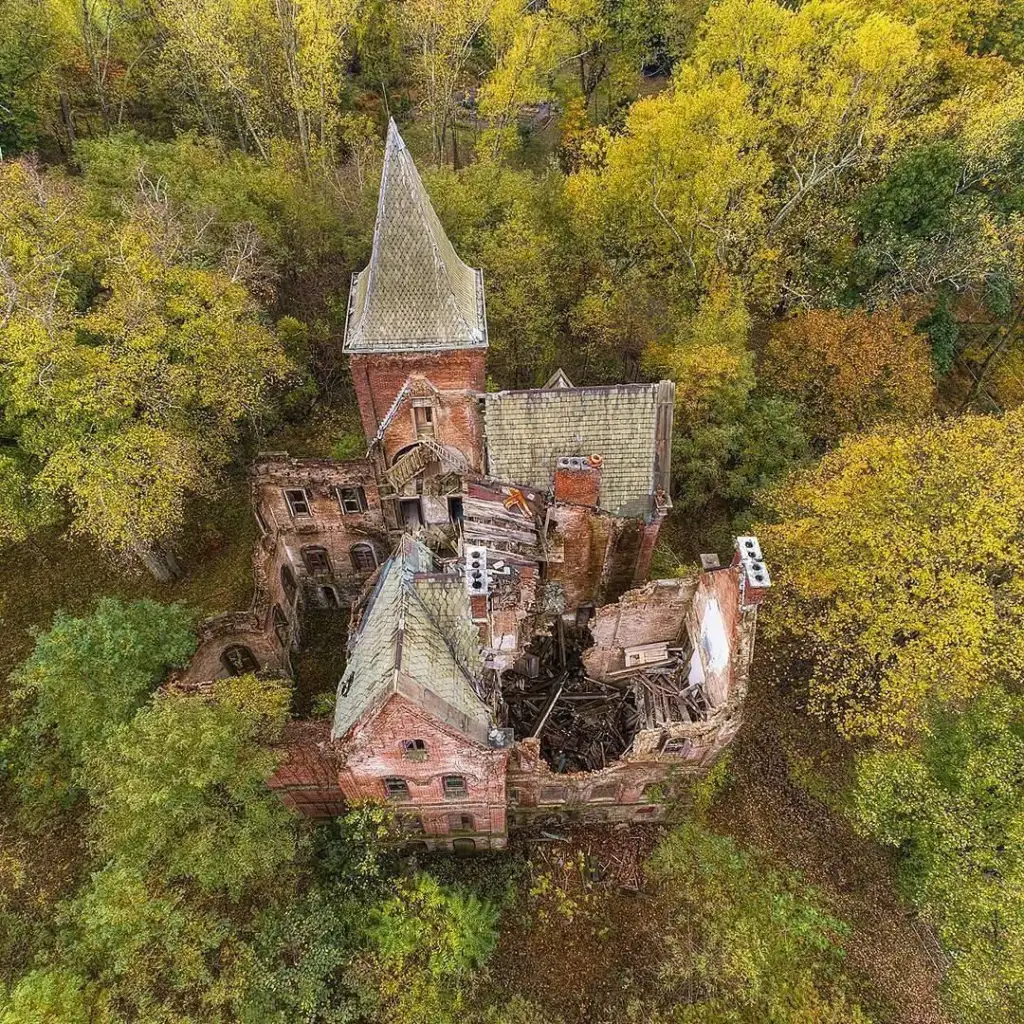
(601, 556)
(713, 623)
(642, 567)
(457, 423)
(374, 751)
(627, 790)
(306, 778)
(221, 632)
(655, 613)
(378, 378)
(661, 758)
(328, 526)
(585, 534)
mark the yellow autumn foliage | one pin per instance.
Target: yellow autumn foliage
(850, 370)
(897, 570)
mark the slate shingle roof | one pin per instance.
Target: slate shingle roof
(628, 425)
(416, 294)
(416, 637)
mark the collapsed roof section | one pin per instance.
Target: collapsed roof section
(416, 638)
(628, 425)
(415, 295)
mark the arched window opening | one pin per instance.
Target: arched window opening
(239, 660)
(280, 625)
(317, 561)
(364, 558)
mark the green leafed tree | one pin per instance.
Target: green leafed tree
(86, 677)
(954, 808)
(744, 942)
(126, 372)
(184, 782)
(187, 840)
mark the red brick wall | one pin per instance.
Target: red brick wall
(647, 545)
(638, 787)
(457, 424)
(306, 776)
(585, 535)
(328, 526)
(723, 585)
(378, 378)
(374, 751)
(578, 486)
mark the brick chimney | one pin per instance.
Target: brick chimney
(578, 480)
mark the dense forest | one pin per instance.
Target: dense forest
(810, 215)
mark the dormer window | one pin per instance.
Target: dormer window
(298, 501)
(423, 418)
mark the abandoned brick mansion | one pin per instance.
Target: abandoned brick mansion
(508, 660)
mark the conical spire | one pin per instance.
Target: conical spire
(416, 294)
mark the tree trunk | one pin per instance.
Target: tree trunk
(160, 562)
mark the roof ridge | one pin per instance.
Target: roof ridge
(442, 633)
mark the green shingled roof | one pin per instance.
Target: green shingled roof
(416, 294)
(628, 425)
(416, 638)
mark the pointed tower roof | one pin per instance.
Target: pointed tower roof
(416, 295)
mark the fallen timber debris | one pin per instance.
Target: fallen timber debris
(582, 724)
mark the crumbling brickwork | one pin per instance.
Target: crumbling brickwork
(451, 786)
(377, 378)
(506, 658)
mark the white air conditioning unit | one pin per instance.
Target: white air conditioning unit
(476, 570)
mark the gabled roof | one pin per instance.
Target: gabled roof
(415, 295)
(416, 638)
(628, 425)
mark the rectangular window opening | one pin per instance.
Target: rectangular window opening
(396, 788)
(454, 786)
(352, 500)
(298, 502)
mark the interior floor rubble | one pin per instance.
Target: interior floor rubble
(583, 725)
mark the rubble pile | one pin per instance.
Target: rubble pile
(583, 725)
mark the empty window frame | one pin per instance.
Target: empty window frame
(454, 786)
(298, 501)
(261, 521)
(411, 824)
(414, 750)
(280, 624)
(316, 561)
(553, 794)
(288, 584)
(239, 660)
(351, 499)
(423, 419)
(364, 558)
(461, 823)
(396, 788)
